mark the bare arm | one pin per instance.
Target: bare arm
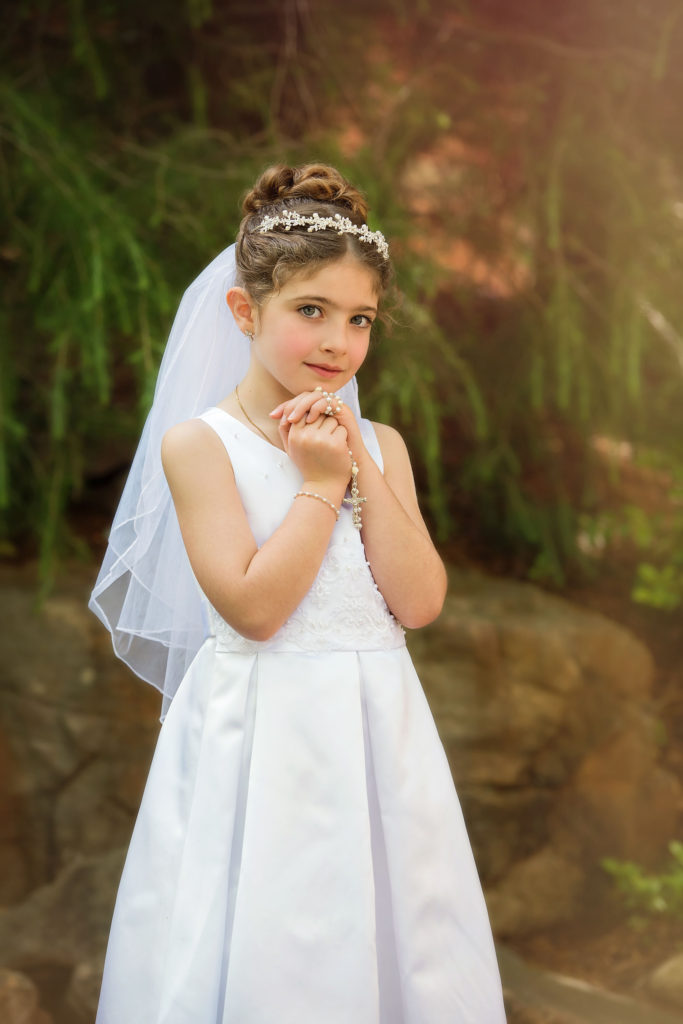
(254, 589)
(406, 566)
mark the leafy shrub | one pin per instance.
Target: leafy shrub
(654, 895)
(539, 146)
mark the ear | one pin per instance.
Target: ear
(243, 308)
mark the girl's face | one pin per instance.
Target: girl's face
(316, 329)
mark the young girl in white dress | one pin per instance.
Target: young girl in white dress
(300, 855)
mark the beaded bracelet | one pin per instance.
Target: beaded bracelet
(312, 494)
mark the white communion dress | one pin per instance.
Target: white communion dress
(300, 856)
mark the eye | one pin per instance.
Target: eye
(310, 312)
(367, 321)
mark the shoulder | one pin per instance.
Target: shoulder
(185, 438)
(395, 457)
(398, 472)
(189, 445)
(390, 442)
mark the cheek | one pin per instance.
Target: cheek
(294, 342)
(360, 349)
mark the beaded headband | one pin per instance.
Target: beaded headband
(342, 225)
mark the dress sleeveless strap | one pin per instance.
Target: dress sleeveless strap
(371, 443)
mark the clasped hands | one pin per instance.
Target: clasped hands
(319, 441)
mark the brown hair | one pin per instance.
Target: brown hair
(265, 262)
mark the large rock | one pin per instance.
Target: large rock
(19, 1002)
(66, 922)
(666, 982)
(59, 935)
(83, 993)
(77, 731)
(537, 892)
(620, 800)
(545, 712)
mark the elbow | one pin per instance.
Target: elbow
(416, 615)
(247, 611)
(257, 627)
(421, 612)
(258, 632)
(422, 616)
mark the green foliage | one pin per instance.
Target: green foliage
(655, 537)
(658, 587)
(554, 175)
(652, 895)
(78, 277)
(96, 264)
(523, 161)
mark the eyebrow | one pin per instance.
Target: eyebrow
(332, 305)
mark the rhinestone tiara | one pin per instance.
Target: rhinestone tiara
(342, 225)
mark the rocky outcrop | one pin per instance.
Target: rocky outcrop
(19, 1002)
(544, 709)
(546, 715)
(82, 994)
(540, 891)
(65, 922)
(76, 734)
(666, 982)
(60, 933)
(537, 996)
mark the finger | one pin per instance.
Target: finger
(302, 426)
(319, 408)
(330, 427)
(315, 403)
(326, 424)
(288, 405)
(329, 404)
(302, 405)
(284, 427)
(284, 407)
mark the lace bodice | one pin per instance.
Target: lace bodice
(344, 609)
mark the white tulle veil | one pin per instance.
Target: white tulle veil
(146, 594)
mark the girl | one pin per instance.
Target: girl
(299, 856)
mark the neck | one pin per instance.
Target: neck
(253, 408)
(260, 396)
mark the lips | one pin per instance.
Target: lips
(323, 370)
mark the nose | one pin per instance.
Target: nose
(335, 338)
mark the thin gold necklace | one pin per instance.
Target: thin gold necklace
(248, 417)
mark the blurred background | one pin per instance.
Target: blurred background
(525, 161)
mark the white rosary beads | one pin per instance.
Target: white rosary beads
(331, 397)
(355, 501)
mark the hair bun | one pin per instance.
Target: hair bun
(318, 183)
